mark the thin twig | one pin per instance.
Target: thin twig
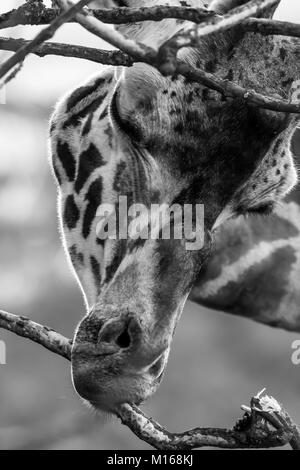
(225, 87)
(41, 37)
(166, 61)
(142, 53)
(271, 27)
(231, 89)
(43, 335)
(69, 50)
(253, 431)
(136, 50)
(191, 35)
(229, 20)
(35, 13)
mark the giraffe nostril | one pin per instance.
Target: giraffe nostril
(116, 334)
(124, 340)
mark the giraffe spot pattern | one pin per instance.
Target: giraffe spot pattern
(103, 114)
(94, 198)
(67, 159)
(76, 118)
(119, 177)
(88, 125)
(76, 258)
(83, 92)
(96, 272)
(115, 263)
(89, 160)
(71, 212)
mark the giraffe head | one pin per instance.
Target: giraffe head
(181, 143)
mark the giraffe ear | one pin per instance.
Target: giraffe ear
(223, 6)
(137, 88)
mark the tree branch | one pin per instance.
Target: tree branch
(43, 335)
(69, 50)
(43, 36)
(235, 17)
(138, 51)
(271, 27)
(265, 424)
(232, 90)
(35, 13)
(165, 59)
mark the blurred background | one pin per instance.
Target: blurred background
(217, 363)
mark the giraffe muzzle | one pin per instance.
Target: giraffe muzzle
(116, 361)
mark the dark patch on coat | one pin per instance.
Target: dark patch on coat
(96, 272)
(75, 119)
(120, 181)
(278, 143)
(236, 238)
(67, 159)
(76, 257)
(89, 160)
(258, 294)
(210, 66)
(88, 124)
(111, 269)
(82, 92)
(282, 53)
(71, 212)
(134, 245)
(94, 198)
(104, 113)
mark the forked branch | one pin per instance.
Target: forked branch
(41, 37)
(265, 423)
(69, 50)
(164, 59)
(35, 13)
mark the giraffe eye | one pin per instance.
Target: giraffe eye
(263, 209)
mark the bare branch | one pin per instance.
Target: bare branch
(255, 430)
(250, 432)
(271, 27)
(35, 13)
(165, 59)
(43, 36)
(230, 89)
(136, 50)
(43, 335)
(191, 35)
(69, 50)
(268, 408)
(234, 17)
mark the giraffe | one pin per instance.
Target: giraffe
(162, 140)
(254, 270)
